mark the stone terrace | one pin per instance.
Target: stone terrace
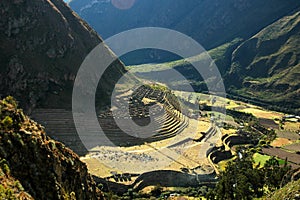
(165, 110)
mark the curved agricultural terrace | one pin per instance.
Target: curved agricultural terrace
(178, 143)
(165, 114)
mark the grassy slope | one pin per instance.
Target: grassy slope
(290, 191)
(266, 67)
(221, 56)
(268, 64)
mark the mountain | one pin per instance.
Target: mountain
(267, 65)
(43, 43)
(38, 166)
(254, 43)
(210, 22)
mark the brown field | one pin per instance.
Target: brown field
(293, 147)
(279, 142)
(178, 152)
(282, 154)
(268, 123)
(287, 134)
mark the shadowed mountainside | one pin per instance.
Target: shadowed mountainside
(43, 43)
(209, 22)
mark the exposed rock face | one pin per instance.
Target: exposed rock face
(42, 46)
(45, 168)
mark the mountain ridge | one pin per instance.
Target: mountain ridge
(43, 44)
(236, 18)
(271, 65)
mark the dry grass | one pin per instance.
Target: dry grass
(229, 131)
(279, 142)
(261, 113)
(292, 126)
(96, 168)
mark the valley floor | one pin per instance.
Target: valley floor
(170, 154)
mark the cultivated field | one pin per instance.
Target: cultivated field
(282, 154)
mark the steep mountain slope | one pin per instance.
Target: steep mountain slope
(267, 65)
(221, 56)
(210, 22)
(42, 46)
(11, 188)
(290, 191)
(46, 169)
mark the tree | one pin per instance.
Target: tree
(240, 180)
(274, 173)
(243, 180)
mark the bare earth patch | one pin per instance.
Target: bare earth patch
(293, 147)
(282, 154)
(287, 134)
(268, 123)
(279, 142)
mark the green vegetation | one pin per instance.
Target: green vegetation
(7, 193)
(28, 154)
(7, 122)
(260, 159)
(159, 87)
(242, 179)
(9, 100)
(269, 71)
(290, 191)
(4, 166)
(219, 55)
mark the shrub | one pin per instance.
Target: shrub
(4, 166)
(7, 122)
(6, 193)
(10, 100)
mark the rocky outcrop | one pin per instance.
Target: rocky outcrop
(43, 43)
(45, 168)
